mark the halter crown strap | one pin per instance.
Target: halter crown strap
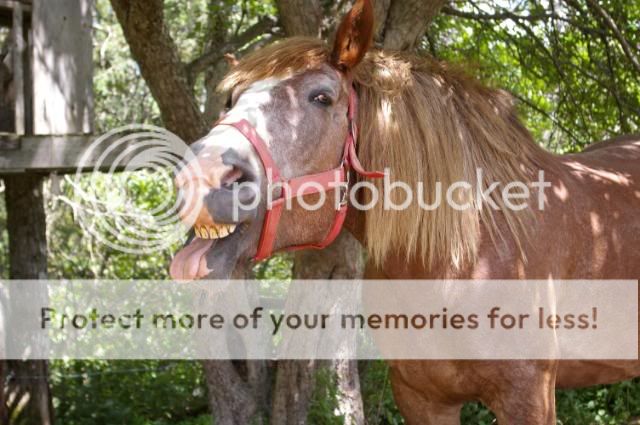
(304, 185)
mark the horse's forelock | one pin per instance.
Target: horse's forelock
(278, 60)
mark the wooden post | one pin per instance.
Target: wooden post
(18, 68)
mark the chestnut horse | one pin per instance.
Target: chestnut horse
(426, 121)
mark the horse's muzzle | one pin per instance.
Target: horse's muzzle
(214, 191)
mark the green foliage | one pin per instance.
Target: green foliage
(74, 250)
(476, 414)
(120, 93)
(128, 392)
(324, 409)
(123, 392)
(610, 404)
(574, 83)
(379, 407)
(276, 268)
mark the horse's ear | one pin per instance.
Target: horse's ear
(354, 36)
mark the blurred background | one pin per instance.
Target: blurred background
(573, 65)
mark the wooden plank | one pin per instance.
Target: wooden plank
(18, 69)
(10, 4)
(62, 67)
(9, 141)
(61, 154)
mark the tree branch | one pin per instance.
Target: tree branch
(541, 111)
(156, 54)
(216, 52)
(498, 16)
(611, 24)
(504, 15)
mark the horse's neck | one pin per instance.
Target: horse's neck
(498, 259)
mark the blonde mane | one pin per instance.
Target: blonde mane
(427, 122)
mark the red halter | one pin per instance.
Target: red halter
(323, 182)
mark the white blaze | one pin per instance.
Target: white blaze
(249, 107)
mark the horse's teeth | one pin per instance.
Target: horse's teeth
(214, 232)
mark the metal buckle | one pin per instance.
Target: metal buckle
(344, 199)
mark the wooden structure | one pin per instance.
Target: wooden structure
(50, 93)
(46, 122)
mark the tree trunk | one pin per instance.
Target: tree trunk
(28, 388)
(233, 398)
(295, 379)
(300, 17)
(349, 396)
(239, 389)
(407, 22)
(155, 52)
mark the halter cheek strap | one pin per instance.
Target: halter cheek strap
(334, 179)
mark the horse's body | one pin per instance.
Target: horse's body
(589, 230)
(427, 122)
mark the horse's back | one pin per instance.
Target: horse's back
(620, 155)
(629, 142)
(601, 190)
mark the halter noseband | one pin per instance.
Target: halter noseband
(299, 186)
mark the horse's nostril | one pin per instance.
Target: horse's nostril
(242, 170)
(235, 175)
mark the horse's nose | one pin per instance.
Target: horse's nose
(217, 187)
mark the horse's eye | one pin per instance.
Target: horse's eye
(321, 99)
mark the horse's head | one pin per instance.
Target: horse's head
(291, 100)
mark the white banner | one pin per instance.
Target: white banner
(482, 320)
